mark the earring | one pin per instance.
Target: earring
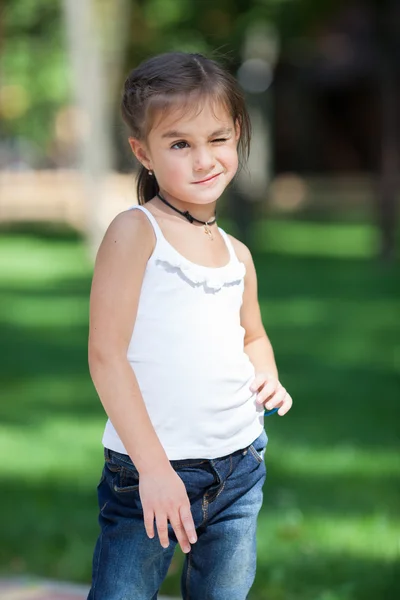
(151, 173)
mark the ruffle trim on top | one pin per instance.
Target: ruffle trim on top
(212, 278)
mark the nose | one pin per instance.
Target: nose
(203, 159)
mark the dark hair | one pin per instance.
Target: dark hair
(158, 83)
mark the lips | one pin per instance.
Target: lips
(208, 179)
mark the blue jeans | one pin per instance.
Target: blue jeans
(225, 496)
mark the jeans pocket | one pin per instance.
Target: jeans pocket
(258, 454)
(259, 446)
(122, 474)
(125, 481)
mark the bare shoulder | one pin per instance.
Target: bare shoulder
(130, 229)
(241, 250)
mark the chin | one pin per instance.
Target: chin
(206, 196)
(206, 199)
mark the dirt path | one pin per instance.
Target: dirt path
(30, 589)
(38, 590)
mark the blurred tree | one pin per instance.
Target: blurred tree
(343, 70)
(32, 34)
(96, 32)
(33, 84)
(387, 201)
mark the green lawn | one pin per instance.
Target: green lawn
(330, 525)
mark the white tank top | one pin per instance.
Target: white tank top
(187, 354)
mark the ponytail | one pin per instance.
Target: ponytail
(147, 186)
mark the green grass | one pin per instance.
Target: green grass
(330, 525)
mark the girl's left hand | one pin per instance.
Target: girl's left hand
(271, 393)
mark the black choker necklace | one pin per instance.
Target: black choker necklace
(190, 218)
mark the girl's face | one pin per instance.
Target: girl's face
(193, 155)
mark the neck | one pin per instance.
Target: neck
(203, 212)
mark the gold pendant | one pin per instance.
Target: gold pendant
(208, 231)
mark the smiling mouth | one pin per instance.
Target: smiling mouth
(208, 178)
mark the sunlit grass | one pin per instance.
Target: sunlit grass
(346, 331)
(26, 260)
(293, 532)
(334, 240)
(329, 528)
(340, 459)
(45, 312)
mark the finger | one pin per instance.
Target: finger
(268, 390)
(277, 399)
(180, 533)
(162, 530)
(257, 382)
(188, 524)
(149, 523)
(286, 406)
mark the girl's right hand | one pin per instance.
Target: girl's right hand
(164, 498)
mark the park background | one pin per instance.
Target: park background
(318, 205)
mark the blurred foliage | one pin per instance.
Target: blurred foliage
(329, 527)
(34, 67)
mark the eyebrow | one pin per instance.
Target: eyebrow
(178, 134)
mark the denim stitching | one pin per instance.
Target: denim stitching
(177, 464)
(126, 475)
(230, 467)
(204, 508)
(219, 480)
(93, 586)
(113, 468)
(220, 490)
(125, 490)
(256, 455)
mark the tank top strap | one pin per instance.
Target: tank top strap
(157, 229)
(229, 244)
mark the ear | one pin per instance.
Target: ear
(140, 151)
(237, 130)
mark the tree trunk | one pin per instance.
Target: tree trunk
(388, 181)
(96, 36)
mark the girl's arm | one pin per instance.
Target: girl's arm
(117, 282)
(256, 342)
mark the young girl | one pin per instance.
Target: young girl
(177, 350)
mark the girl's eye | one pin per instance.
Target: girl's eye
(220, 140)
(180, 145)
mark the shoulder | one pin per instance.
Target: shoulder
(130, 229)
(241, 251)
(131, 221)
